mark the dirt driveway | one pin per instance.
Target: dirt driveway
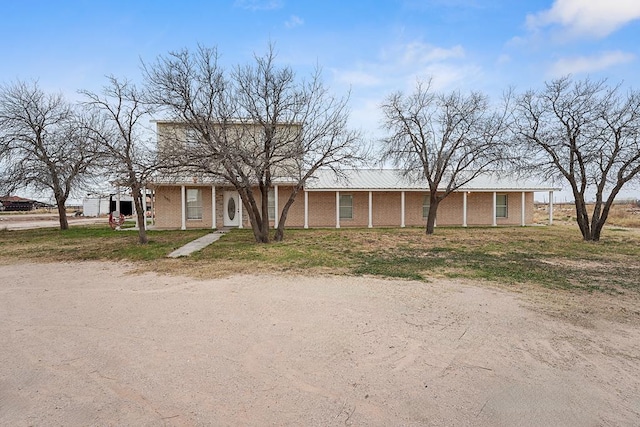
(94, 344)
(30, 221)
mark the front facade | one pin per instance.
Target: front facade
(364, 198)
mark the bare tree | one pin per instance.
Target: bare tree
(42, 143)
(257, 124)
(585, 133)
(448, 139)
(119, 130)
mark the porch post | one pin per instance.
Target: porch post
(183, 207)
(213, 207)
(275, 203)
(522, 213)
(240, 211)
(144, 205)
(306, 209)
(153, 209)
(402, 209)
(337, 209)
(464, 208)
(495, 201)
(135, 212)
(117, 200)
(370, 209)
(551, 207)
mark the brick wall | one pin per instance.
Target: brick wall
(450, 210)
(168, 207)
(322, 208)
(295, 217)
(479, 208)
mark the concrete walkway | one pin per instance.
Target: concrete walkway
(198, 244)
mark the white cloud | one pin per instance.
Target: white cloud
(423, 53)
(447, 76)
(589, 64)
(294, 21)
(400, 65)
(254, 5)
(597, 18)
(517, 42)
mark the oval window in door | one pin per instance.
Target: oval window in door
(231, 208)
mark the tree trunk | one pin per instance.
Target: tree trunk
(140, 213)
(602, 209)
(431, 216)
(264, 211)
(598, 222)
(62, 214)
(252, 210)
(279, 237)
(262, 236)
(260, 233)
(596, 231)
(582, 216)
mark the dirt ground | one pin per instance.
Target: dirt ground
(96, 344)
(30, 221)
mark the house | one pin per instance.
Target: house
(357, 198)
(354, 198)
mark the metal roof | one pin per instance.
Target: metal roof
(195, 179)
(394, 180)
(372, 180)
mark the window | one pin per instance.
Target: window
(271, 205)
(194, 203)
(426, 203)
(191, 138)
(346, 206)
(501, 205)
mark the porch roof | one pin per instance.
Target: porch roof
(199, 179)
(394, 180)
(371, 180)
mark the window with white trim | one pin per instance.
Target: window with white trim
(426, 204)
(501, 206)
(194, 203)
(271, 204)
(191, 139)
(346, 206)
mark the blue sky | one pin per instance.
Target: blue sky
(369, 47)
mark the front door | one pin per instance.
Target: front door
(231, 209)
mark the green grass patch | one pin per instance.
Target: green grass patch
(90, 243)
